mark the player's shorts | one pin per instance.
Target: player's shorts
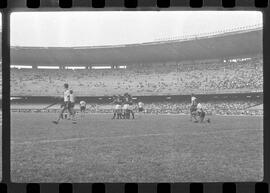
(140, 109)
(193, 108)
(82, 108)
(202, 114)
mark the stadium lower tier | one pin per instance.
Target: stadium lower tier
(251, 107)
(227, 77)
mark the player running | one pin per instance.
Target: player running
(82, 108)
(66, 105)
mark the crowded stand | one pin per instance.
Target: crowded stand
(227, 76)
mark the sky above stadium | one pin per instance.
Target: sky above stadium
(75, 29)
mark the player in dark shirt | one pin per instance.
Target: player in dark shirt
(128, 102)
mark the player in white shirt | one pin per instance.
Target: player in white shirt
(140, 109)
(126, 111)
(140, 105)
(82, 108)
(193, 99)
(66, 105)
(199, 107)
(117, 111)
(193, 107)
(71, 97)
(201, 113)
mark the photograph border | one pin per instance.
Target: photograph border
(117, 5)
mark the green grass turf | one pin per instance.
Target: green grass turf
(153, 148)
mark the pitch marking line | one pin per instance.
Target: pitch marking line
(86, 138)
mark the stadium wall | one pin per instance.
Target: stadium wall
(148, 99)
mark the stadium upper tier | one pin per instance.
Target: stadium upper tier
(144, 80)
(202, 47)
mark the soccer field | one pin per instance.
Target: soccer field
(151, 148)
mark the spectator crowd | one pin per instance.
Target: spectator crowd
(223, 77)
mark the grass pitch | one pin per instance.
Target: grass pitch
(151, 148)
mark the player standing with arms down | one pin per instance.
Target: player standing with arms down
(66, 105)
(72, 102)
(114, 109)
(128, 106)
(193, 107)
(141, 109)
(131, 106)
(117, 112)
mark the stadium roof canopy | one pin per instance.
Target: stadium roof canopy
(223, 45)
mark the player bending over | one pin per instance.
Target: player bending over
(201, 113)
(66, 105)
(82, 108)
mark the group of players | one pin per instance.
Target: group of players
(123, 107)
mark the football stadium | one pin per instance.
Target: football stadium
(223, 69)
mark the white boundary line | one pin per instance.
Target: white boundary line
(86, 138)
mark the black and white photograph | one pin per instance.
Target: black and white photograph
(136, 96)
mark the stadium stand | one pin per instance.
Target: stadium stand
(167, 79)
(228, 62)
